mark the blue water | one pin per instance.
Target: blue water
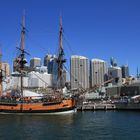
(98, 125)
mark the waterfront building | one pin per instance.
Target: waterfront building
(125, 71)
(15, 65)
(34, 79)
(113, 62)
(51, 62)
(42, 69)
(39, 80)
(47, 59)
(6, 69)
(79, 75)
(5, 73)
(52, 65)
(117, 91)
(98, 71)
(65, 75)
(53, 69)
(14, 81)
(35, 62)
(115, 73)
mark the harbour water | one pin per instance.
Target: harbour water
(98, 125)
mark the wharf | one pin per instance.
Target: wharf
(93, 107)
(103, 106)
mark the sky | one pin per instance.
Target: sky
(92, 28)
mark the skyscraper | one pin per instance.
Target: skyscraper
(35, 62)
(16, 64)
(125, 71)
(6, 69)
(52, 65)
(51, 62)
(53, 69)
(47, 59)
(97, 72)
(115, 73)
(79, 75)
(113, 62)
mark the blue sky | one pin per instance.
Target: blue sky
(92, 28)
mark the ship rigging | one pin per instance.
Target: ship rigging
(20, 104)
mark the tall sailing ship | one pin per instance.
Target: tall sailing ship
(54, 104)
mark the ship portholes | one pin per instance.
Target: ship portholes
(11, 107)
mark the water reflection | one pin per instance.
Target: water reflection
(34, 127)
(82, 125)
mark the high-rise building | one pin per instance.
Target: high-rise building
(125, 71)
(35, 62)
(6, 69)
(53, 69)
(65, 76)
(52, 65)
(15, 65)
(47, 59)
(79, 75)
(113, 62)
(115, 73)
(51, 62)
(97, 72)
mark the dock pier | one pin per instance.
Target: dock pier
(94, 107)
(105, 107)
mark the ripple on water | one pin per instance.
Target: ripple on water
(98, 125)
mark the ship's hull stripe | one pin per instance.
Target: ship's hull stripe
(37, 111)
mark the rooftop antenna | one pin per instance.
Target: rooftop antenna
(137, 72)
(1, 76)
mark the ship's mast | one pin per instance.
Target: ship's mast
(22, 54)
(61, 59)
(61, 36)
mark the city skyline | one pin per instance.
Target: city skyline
(102, 30)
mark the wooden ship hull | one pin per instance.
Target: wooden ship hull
(65, 106)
